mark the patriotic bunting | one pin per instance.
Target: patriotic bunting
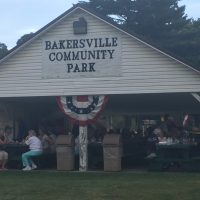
(82, 109)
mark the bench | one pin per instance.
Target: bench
(45, 161)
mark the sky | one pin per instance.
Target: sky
(19, 17)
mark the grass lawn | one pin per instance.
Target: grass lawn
(44, 185)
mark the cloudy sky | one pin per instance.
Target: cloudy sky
(19, 17)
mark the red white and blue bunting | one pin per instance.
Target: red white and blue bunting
(82, 109)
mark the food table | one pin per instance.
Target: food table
(175, 156)
(14, 151)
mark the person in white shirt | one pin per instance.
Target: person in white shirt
(35, 147)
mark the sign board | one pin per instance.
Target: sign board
(81, 56)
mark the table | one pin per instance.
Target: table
(14, 154)
(174, 152)
(177, 156)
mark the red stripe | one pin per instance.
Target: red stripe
(82, 123)
(82, 98)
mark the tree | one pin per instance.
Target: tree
(186, 43)
(24, 38)
(3, 50)
(151, 18)
(159, 19)
(162, 22)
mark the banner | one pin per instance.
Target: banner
(78, 56)
(82, 109)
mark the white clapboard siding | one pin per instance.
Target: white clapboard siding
(143, 69)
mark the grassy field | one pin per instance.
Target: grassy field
(44, 185)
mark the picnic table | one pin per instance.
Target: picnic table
(14, 151)
(176, 156)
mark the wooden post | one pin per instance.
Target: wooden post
(83, 153)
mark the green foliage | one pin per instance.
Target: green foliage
(186, 43)
(162, 21)
(24, 38)
(3, 50)
(151, 18)
(157, 18)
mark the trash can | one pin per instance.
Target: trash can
(112, 152)
(65, 152)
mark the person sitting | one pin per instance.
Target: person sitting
(52, 140)
(170, 127)
(3, 154)
(48, 140)
(158, 132)
(152, 140)
(8, 134)
(35, 147)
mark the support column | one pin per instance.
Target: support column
(196, 96)
(83, 153)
